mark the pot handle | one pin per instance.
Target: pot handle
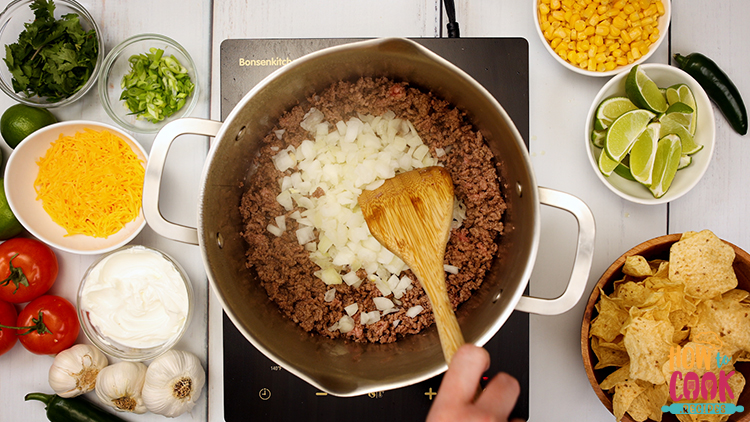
(155, 169)
(583, 257)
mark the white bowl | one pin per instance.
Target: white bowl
(663, 27)
(664, 76)
(21, 171)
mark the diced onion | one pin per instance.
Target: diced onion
(330, 295)
(351, 309)
(346, 324)
(414, 311)
(382, 303)
(451, 269)
(274, 230)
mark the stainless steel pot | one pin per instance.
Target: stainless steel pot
(339, 367)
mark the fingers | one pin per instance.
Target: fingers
(500, 395)
(461, 380)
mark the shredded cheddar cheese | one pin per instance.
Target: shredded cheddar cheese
(90, 183)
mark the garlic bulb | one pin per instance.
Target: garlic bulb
(74, 370)
(173, 384)
(119, 386)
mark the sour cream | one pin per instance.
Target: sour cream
(136, 297)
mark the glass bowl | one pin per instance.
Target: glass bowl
(117, 64)
(135, 303)
(12, 20)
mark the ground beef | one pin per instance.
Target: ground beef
(283, 266)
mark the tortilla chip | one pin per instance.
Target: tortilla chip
(620, 375)
(625, 393)
(608, 356)
(648, 342)
(727, 318)
(636, 266)
(632, 294)
(647, 405)
(660, 268)
(608, 323)
(703, 263)
(742, 356)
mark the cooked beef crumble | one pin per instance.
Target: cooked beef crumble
(282, 264)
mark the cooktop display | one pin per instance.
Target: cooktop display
(256, 388)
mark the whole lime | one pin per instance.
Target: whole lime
(20, 121)
(9, 225)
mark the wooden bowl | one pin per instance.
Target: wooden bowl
(657, 248)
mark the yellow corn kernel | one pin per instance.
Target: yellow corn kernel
(572, 57)
(601, 49)
(608, 42)
(602, 9)
(628, 9)
(555, 42)
(600, 67)
(573, 34)
(626, 37)
(589, 31)
(574, 17)
(619, 23)
(543, 8)
(561, 33)
(643, 4)
(598, 40)
(602, 30)
(580, 25)
(643, 49)
(558, 15)
(568, 14)
(546, 1)
(621, 61)
(600, 58)
(587, 13)
(653, 37)
(650, 11)
(610, 66)
(591, 66)
(617, 53)
(567, 3)
(636, 53)
(634, 17)
(582, 45)
(554, 4)
(614, 46)
(630, 56)
(582, 57)
(619, 4)
(593, 20)
(591, 52)
(647, 21)
(660, 7)
(571, 45)
(635, 34)
(614, 31)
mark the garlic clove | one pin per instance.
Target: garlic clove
(173, 383)
(74, 370)
(120, 386)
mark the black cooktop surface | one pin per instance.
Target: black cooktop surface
(256, 388)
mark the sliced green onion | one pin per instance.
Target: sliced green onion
(156, 87)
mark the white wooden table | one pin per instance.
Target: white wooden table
(559, 101)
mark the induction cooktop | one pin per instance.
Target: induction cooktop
(256, 388)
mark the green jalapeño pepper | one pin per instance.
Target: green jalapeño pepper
(718, 86)
(74, 409)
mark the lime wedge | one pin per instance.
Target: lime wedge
(643, 92)
(679, 113)
(666, 161)
(685, 160)
(624, 130)
(623, 169)
(643, 153)
(606, 164)
(681, 93)
(610, 109)
(597, 138)
(689, 146)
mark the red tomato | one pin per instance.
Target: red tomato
(8, 317)
(50, 325)
(28, 268)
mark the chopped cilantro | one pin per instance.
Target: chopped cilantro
(52, 58)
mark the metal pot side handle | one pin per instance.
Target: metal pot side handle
(583, 257)
(155, 169)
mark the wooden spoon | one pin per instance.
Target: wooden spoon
(411, 215)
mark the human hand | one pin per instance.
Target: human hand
(456, 397)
